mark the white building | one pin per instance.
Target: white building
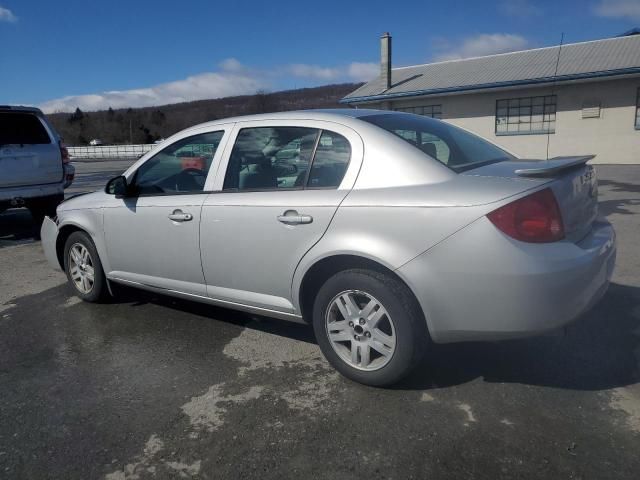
(584, 97)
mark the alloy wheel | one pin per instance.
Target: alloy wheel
(81, 268)
(360, 330)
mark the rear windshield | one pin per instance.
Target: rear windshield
(454, 147)
(18, 128)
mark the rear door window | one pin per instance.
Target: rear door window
(330, 161)
(270, 158)
(285, 158)
(19, 128)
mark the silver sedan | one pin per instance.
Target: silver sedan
(386, 231)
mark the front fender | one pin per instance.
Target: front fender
(49, 236)
(89, 220)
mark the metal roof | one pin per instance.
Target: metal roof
(597, 58)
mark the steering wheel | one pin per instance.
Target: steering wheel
(194, 172)
(195, 176)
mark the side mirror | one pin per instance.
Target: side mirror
(117, 186)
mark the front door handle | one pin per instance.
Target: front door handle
(179, 216)
(291, 217)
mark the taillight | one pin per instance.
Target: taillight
(534, 218)
(64, 153)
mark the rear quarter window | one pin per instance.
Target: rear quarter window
(456, 148)
(18, 128)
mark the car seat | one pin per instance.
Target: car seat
(257, 174)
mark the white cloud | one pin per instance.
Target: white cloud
(304, 70)
(7, 15)
(231, 65)
(197, 87)
(357, 71)
(618, 9)
(363, 72)
(233, 78)
(520, 8)
(480, 45)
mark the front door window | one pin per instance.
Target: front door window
(180, 168)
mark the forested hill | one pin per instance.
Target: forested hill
(145, 125)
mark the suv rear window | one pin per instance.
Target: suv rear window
(452, 146)
(18, 128)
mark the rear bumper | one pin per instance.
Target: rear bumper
(481, 285)
(15, 194)
(49, 237)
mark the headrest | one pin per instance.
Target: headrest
(430, 149)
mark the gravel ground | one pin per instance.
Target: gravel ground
(151, 387)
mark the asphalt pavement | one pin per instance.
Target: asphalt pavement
(152, 387)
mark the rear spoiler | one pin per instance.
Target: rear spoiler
(554, 165)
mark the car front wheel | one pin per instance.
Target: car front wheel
(369, 326)
(83, 268)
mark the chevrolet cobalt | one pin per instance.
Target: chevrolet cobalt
(386, 231)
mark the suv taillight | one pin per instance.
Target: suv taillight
(534, 218)
(64, 153)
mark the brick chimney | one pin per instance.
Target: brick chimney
(385, 59)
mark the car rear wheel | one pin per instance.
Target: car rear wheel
(83, 268)
(44, 206)
(369, 326)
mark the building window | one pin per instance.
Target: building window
(433, 111)
(638, 110)
(526, 115)
(591, 109)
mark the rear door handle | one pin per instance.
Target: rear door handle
(291, 217)
(180, 216)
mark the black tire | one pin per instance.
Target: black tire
(44, 206)
(99, 291)
(404, 312)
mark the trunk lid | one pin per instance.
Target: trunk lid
(573, 182)
(29, 152)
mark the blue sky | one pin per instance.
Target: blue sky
(60, 55)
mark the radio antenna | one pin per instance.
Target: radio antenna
(553, 89)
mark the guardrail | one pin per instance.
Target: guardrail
(110, 151)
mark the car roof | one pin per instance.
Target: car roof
(339, 115)
(20, 108)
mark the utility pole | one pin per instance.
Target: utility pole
(130, 133)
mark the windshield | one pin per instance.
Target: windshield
(454, 147)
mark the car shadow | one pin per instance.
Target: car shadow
(599, 351)
(137, 298)
(17, 225)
